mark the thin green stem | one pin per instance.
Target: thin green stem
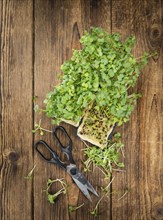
(43, 129)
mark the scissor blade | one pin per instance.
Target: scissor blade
(85, 182)
(91, 189)
(79, 179)
(83, 188)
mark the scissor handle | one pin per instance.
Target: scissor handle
(67, 150)
(54, 156)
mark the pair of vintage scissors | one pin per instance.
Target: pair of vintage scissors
(71, 168)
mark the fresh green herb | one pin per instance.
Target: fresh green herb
(38, 109)
(101, 72)
(94, 212)
(106, 191)
(52, 197)
(105, 159)
(74, 208)
(29, 176)
(40, 129)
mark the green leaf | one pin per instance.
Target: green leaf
(102, 71)
(109, 82)
(104, 158)
(120, 77)
(111, 73)
(51, 198)
(36, 108)
(96, 85)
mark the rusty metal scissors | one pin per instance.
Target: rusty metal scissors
(71, 168)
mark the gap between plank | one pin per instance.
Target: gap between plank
(33, 90)
(111, 188)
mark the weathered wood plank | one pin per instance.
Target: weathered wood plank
(58, 27)
(54, 37)
(97, 14)
(143, 134)
(15, 109)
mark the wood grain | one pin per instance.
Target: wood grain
(15, 110)
(143, 134)
(57, 31)
(36, 37)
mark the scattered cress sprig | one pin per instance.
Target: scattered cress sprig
(53, 197)
(105, 159)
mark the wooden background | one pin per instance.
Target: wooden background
(36, 37)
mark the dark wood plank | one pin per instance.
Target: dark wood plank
(54, 27)
(100, 14)
(96, 14)
(58, 27)
(143, 134)
(15, 109)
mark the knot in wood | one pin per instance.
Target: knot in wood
(158, 213)
(155, 33)
(13, 156)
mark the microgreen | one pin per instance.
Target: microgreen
(105, 159)
(106, 191)
(94, 212)
(37, 108)
(101, 72)
(29, 176)
(74, 208)
(40, 129)
(53, 197)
